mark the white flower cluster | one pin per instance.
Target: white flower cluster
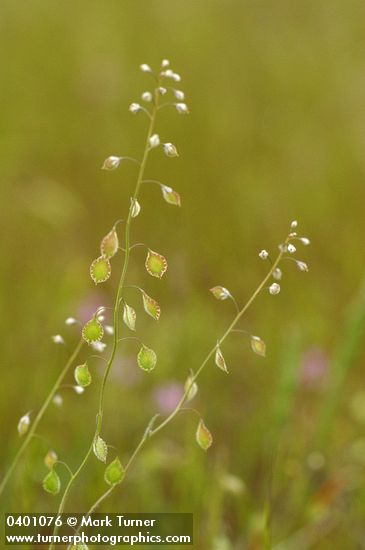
(289, 248)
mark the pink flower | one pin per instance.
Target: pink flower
(167, 396)
(314, 368)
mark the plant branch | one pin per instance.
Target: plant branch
(149, 432)
(39, 416)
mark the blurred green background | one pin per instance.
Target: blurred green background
(276, 132)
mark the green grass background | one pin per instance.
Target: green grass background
(276, 132)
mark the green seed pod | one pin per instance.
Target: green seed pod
(129, 317)
(93, 331)
(258, 346)
(52, 483)
(219, 360)
(146, 358)
(170, 196)
(156, 264)
(100, 270)
(203, 436)
(114, 472)
(82, 375)
(151, 306)
(109, 244)
(100, 448)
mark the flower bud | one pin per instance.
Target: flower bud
(220, 292)
(294, 224)
(165, 63)
(154, 140)
(58, 400)
(111, 163)
(109, 329)
(135, 208)
(305, 241)
(57, 339)
(24, 424)
(274, 289)
(277, 274)
(182, 108)
(145, 68)
(264, 255)
(50, 459)
(147, 96)
(135, 108)
(291, 248)
(170, 150)
(98, 346)
(302, 266)
(162, 90)
(180, 96)
(176, 77)
(70, 321)
(78, 389)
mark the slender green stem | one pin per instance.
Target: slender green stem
(153, 431)
(39, 416)
(67, 491)
(126, 263)
(116, 305)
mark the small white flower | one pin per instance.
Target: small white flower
(70, 321)
(100, 317)
(291, 248)
(98, 346)
(135, 208)
(109, 329)
(57, 339)
(166, 188)
(165, 63)
(170, 150)
(264, 255)
(274, 289)
(58, 400)
(277, 274)
(78, 389)
(145, 68)
(23, 424)
(180, 96)
(168, 74)
(147, 96)
(182, 108)
(176, 77)
(111, 163)
(293, 234)
(305, 241)
(302, 266)
(154, 140)
(294, 224)
(162, 90)
(135, 108)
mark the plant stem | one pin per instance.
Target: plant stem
(125, 265)
(39, 416)
(116, 306)
(150, 432)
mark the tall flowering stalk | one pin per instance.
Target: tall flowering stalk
(100, 270)
(156, 265)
